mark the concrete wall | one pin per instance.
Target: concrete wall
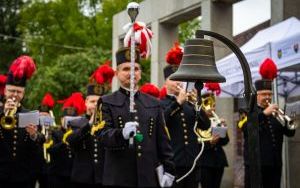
(224, 109)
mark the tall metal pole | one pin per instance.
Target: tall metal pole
(133, 11)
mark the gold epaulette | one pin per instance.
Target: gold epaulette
(242, 122)
(97, 127)
(66, 135)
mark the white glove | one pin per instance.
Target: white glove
(129, 128)
(167, 180)
(164, 178)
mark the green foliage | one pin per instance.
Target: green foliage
(58, 27)
(146, 68)
(187, 29)
(69, 73)
(9, 19)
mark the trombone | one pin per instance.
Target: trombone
(284, 119)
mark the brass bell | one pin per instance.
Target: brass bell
(198, 63)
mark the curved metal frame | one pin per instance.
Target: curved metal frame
(250, 96)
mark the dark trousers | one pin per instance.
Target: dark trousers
(190, 181)
(270, 176)
(211, 177)
(85, 185)
(15, 185)
(59, 182)
(41, 179)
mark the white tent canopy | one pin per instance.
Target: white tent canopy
(281, 42)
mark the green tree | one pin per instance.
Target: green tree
(10, 46)
(60, 27)
(68, 73)
(187, 29)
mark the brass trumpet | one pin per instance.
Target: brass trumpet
(9, 121)
(284, 119)
(192, 96)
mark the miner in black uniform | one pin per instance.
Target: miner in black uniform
(136, 166)
(88, 153)
(180, 116)
(40, 165)
(17, 145)
(61, 154)
(271, 133)
(213, 159)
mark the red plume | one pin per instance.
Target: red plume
(268, 69)
(48, 101)
(150, 89)
(174, 55)
(103, 74)
(23, 66)
(163, 92)
(75, 100)
(214, 87)
(2, 84)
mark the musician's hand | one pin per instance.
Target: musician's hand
(167, 180)
(215, 139)
(91, 121)
(31, 130)
(272, 108)
(223, 122)
(9, 105)
(182, 96)
(130, 127)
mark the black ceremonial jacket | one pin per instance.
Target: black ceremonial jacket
(271, 134)
(134, 167)
(180, 120)
(88, 153)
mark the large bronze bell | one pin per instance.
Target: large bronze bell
(198, 63)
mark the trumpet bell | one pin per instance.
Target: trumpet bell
(8, 122)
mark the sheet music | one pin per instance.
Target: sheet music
(32, 117)
(46, 121)
(221, 131)
(70, 118)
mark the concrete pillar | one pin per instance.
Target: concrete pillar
(283, 9)
(217, 17)
(163, 39)
(224, 109)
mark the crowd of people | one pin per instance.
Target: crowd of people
(101, 142)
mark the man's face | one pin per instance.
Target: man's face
(16, 92)
(123, 74)
(90, 103)
(264, 97)
(173, 87)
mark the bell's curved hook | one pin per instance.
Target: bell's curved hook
(249, 92)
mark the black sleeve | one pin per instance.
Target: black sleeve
(110, 136)
(171, 108)
(79, 134)
(58, 145)
(203, 120)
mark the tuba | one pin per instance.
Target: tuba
(9, 121)
(207, 104)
